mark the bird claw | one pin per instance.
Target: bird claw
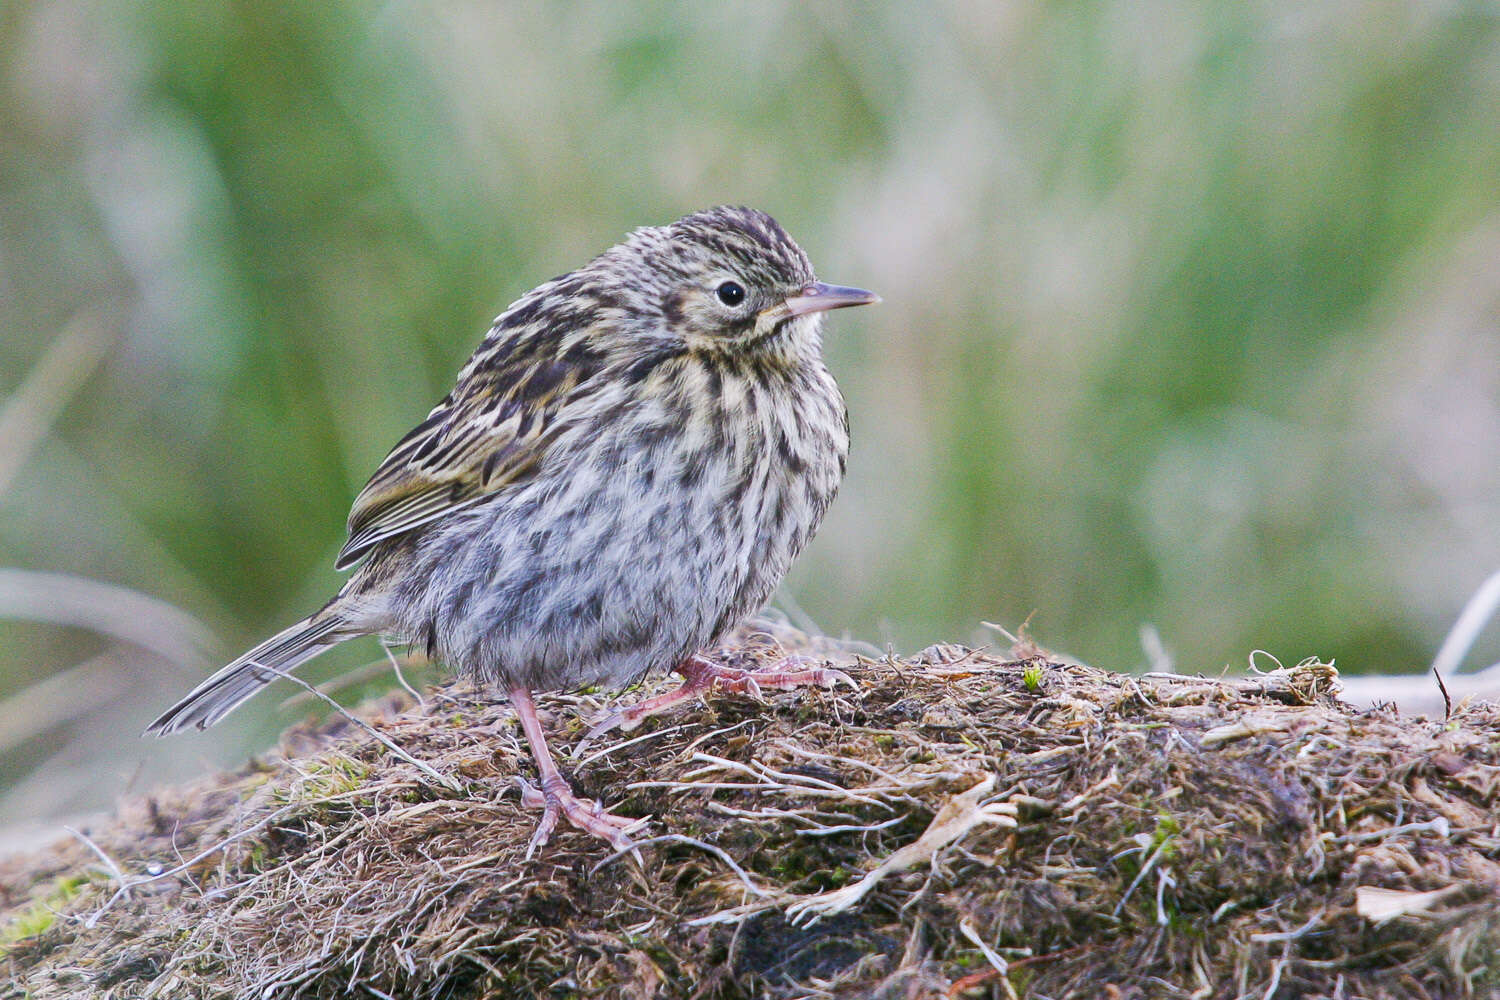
(614, 720)
(837, 677)
(584, 814)
(798, 669)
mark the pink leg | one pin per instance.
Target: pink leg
(701, 675)
(555, 797)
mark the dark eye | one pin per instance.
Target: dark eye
(731, 293)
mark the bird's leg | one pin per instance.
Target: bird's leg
(701, 675)
(555, 796)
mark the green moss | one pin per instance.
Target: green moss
(840, 877)
(1167, 830)
(42, 914)
(326, 778)
(255, 861)
(30, 922)
(252, 784)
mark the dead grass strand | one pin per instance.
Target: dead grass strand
(967, 824)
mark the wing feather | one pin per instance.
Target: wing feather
(491, 431)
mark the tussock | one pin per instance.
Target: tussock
(968, 824)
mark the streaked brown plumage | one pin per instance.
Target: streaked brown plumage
(625, 468)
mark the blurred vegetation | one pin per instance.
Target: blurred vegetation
(1192, 312)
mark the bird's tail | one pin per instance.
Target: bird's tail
(285, 651)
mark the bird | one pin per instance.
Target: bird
(623, 471)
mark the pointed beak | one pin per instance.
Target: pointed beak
(818, 297)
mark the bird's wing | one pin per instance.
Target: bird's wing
(492, 430)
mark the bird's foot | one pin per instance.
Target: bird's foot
(701, 675)
(556, 799)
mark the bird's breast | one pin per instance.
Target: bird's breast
(714, 478)
(779, 447)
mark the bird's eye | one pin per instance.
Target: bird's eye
(731, 293)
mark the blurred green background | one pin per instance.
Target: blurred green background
(1191, 319)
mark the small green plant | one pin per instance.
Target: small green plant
(29, 923)
(326, 778)
(41, 915)
(1167, 830)
(1032, 677)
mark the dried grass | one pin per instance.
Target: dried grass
(967, 824)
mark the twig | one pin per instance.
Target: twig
(1254, 653)
(764, 772)
(828, 831)
(1145, 869)
(109, 862)
(207, 852)
(1163, 880)
(674, 838)
(1439, 826)
(1292, 935)
(400, 677)
(1005, 632)
(611, 748)
(1471, 621)
(966, 928)
(1276, 968)
(978, 979)
(806, 754)
(814, 828)
(446, 782)
(956, 818)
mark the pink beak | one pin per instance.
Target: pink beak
(818, 297)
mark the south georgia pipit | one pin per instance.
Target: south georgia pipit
(624, 470)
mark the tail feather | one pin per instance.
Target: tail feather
(222, 693)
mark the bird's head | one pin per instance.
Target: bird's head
(730, 280)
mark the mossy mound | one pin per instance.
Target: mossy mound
(962, 813)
